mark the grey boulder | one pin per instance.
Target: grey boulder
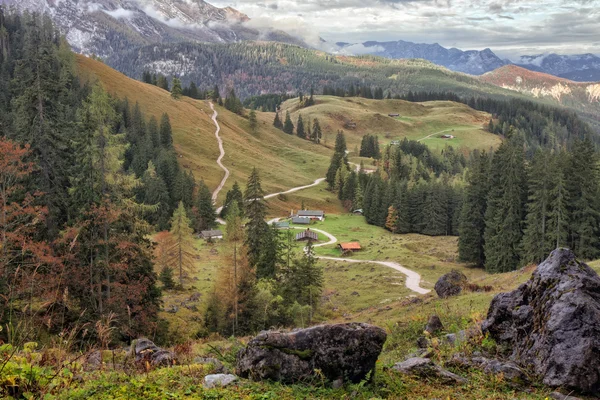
(551, 324)
(450, 284)
(218, 380)
(425, 368)
(146, 350)
(340, 351)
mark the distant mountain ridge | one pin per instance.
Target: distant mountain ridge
(580, 67)
(471, 62)
(106, 27)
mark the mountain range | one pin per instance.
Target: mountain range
(582, 67)
(106, 27)
(109, 27)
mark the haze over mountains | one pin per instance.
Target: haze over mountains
(108, 28)
(582, 67)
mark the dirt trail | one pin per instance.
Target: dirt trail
(220, 159)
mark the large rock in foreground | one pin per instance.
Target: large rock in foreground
(146, 350)
(345, 352)
(450, 284)
(552, 323)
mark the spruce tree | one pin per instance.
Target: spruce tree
(256, 212)
(206, 214)
(288, 126)
(505, 207)
(166, 133)
(300, 128)
(472, 222)
(558, 212)
(253, 121)
(234, 195)
(585, 200)
(316, 133)
(177, 90)
(540, 177)
(277, 122)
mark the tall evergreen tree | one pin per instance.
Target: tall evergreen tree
(472, 221)
(277, 122)
(288, 126)
(505, 207)
(253, 121)
(166, 133)
(300, 132)
(256, 212)
(206, 214)
(540, 177)
(585, 200)
(177, 90)
(316, 133)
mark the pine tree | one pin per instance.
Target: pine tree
(288, 126)
(253, 121)
(277, 122)
(316, 133)
(505, 207)
(585, 204)
(166, 133)
(234, 195)
(540, 176)
(166, 278)
(176, 91)
(472, 221)
(300, 128)
(256, 212)
(339, 159)
(206, 214)
(184, 251)
(558, 213)
(216, 96)
(155, 193)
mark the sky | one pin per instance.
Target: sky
(509, 27)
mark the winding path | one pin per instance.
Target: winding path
(292, 190)
(220, 159)
(413, 279)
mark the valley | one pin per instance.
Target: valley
(349, 227)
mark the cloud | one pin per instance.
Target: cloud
(360, 49)
(120, 13)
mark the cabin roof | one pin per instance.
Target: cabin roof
(350, 246)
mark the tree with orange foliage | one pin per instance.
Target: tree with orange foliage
(23, 259)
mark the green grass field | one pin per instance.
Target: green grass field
(283, 161)
(416, 121)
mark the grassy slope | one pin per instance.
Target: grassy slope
(417, 121)
(283, 161)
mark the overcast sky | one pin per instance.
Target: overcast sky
(508, 27)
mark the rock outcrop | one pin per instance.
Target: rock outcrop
(450, 284)
(434, 325)
(551, 324)
(219, 380)
(341, 351)
(146, 350)
(425, 368)
(509, 370)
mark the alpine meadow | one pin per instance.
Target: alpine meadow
(299, 200)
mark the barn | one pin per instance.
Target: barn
(349, 247)
(307, 235)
